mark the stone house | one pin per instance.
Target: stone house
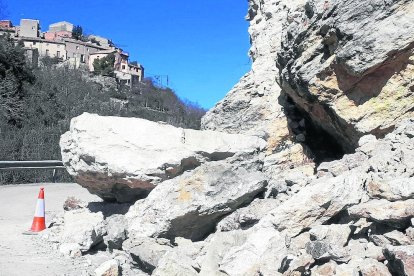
(59, 30)
(79, 51)
(6, 24)
(45, 47)
(29, 28)
(62, 26)
(125, 72)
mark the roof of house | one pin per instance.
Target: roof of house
(103, 52)
(60, 23)
(38, 39)
(70, 40)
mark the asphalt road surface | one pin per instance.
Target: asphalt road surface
(25, 254)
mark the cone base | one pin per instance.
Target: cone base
(39, 224)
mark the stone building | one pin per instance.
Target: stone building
(46, 48)
(79, 51)
(125, 72)
(6, 24)
(7, 28)
(29, 28)
(62, 26)
(59, 30)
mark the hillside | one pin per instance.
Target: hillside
(37, 105)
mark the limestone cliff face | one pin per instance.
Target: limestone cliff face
(349, 65)
(346, 65)
(252, 105)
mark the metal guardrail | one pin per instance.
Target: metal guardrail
(32, 165)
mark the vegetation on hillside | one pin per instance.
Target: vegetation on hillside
(104, 66)
(37, 104)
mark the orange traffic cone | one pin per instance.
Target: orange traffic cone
(39, 222)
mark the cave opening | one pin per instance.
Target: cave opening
(323, 146)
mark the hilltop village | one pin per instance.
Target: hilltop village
(65, 44)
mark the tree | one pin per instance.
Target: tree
(104, 66)
(77, 32)
(14, 72)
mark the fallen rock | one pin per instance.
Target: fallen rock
(147, 252)
(193, 203)
(116, 232)
(216, 247)
(248, 216)
(397, 238)
(327, 269)
(83, 228)
(401, 259)
(396, 214)
(108, 268)
(393, 189)
(174, 264)
(295, 265)
(72, 250)
(316, 203)
(328, 242)
(374, 268)
(410, 233)
(123, 159)
(361, 248)
(263, 250)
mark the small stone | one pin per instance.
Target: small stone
(108, 268)
(70, 250)
(410, 233)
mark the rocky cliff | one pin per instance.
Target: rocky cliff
(305, 168)
(349, 65)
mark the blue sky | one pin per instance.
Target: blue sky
(201, 45)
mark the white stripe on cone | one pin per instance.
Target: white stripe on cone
(40, 208)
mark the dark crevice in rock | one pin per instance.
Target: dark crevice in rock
(108, 209)
(285, 265)
(340, 218)
(141, 265)
(324, 147)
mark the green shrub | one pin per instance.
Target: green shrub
(104, 66)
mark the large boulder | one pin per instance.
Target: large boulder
(123, 159)
(348, 64)
(190, 205)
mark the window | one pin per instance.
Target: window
(123, 67)
(34, 43)
(82, 58)
(47, 52)
(77, 47)
(58, 54)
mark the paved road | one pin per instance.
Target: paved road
(25, 255)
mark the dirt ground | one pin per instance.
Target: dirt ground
(25, 254)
